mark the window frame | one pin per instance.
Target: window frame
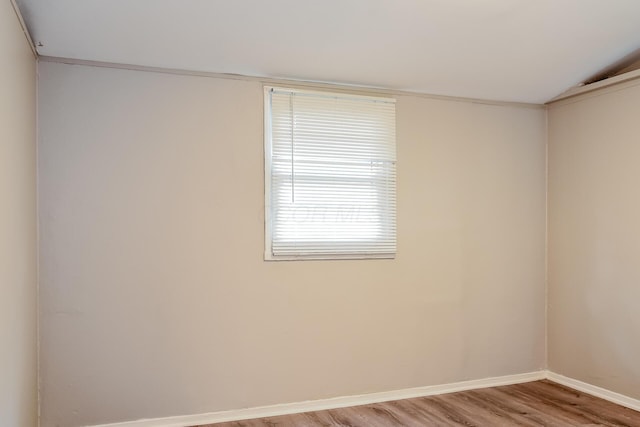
(268, 168)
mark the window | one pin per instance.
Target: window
(330, 175)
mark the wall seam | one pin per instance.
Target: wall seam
(356, 89)
(546, 241)
(37, 225)
(25, 30)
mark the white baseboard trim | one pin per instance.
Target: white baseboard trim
(333, 403)
(596, 391)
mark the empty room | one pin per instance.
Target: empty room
(228, 213)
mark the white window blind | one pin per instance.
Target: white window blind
(330, 175)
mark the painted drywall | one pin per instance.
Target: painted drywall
(156, 301)
(18, 383)
(594, 238)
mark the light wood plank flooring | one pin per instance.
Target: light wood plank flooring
(538, 403)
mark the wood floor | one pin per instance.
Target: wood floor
(538, 403)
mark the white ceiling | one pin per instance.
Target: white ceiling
(508, 50)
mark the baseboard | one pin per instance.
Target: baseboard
(333, 403)
(596, 391)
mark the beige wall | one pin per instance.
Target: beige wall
(594, 244)
(18, 384)
(156, 300)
